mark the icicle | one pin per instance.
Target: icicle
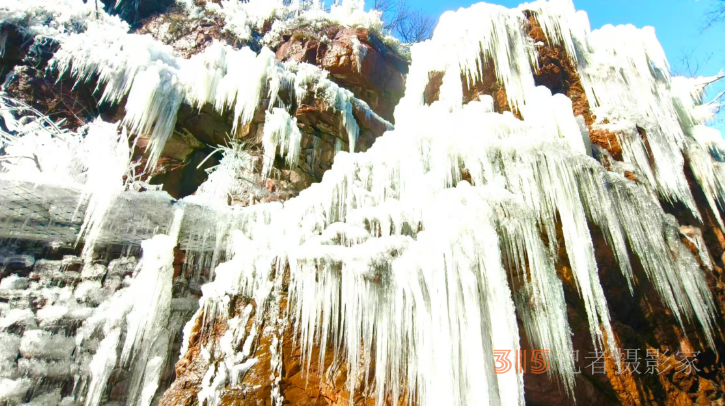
(3, 40)
(694, 235)
(340, 100)
(554, 113)
(188, 327)
(562, 25)
(541, 303)
(359, 51)
(101, 367)
(109, 156)
(614, 61)
(280, 129)
(244, 83)
(626, 61)
(470, 40)
(147, 339)
(157, 82)
(151, 302)
(710, 175)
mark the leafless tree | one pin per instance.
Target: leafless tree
(410, 25)
(416, 27)
(690, 67)
(716, 14)
(386, 6)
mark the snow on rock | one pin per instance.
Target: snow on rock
(241, 17)
(52, 19)
(155, 81)
(42, 344)
(76, 336)
(14, 390)
(47, 399)
(14, 282)
(426, 233)
(95, 158)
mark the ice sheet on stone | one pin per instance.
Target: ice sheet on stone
(51, 213)
(156, 81)
(368, 191)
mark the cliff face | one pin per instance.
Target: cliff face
(257, 337)
(377, 79)
(641, 323)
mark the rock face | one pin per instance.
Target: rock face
(641, 322)
(379, 82)
(50, 294)
(360, 62)
(558, 73)
(379, 79)
(188, 154)
(299, 383)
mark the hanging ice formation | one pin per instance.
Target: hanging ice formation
(393, 259)
(155, 81)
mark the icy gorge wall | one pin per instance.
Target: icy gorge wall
(266, 203)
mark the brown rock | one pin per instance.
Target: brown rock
(179, 146)
(558, 73)
(181, 179)
(75, 104)
(188, 36)
(378, 79)
(206, 125)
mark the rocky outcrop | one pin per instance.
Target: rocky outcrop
(379, 81)
(23, 76)
(641, 322)
(356, 60)
(664, 364)
(486, 85)
(35, 279)
(299, 383)
(189, 35)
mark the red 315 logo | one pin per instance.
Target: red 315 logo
(539, 361)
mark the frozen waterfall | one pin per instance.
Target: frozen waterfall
(409, 272)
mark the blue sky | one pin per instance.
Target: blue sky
(679, 25)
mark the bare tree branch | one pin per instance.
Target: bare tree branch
(716, 15)
(409, 25)
(416, 27)
(385, 6)
(688, 66)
